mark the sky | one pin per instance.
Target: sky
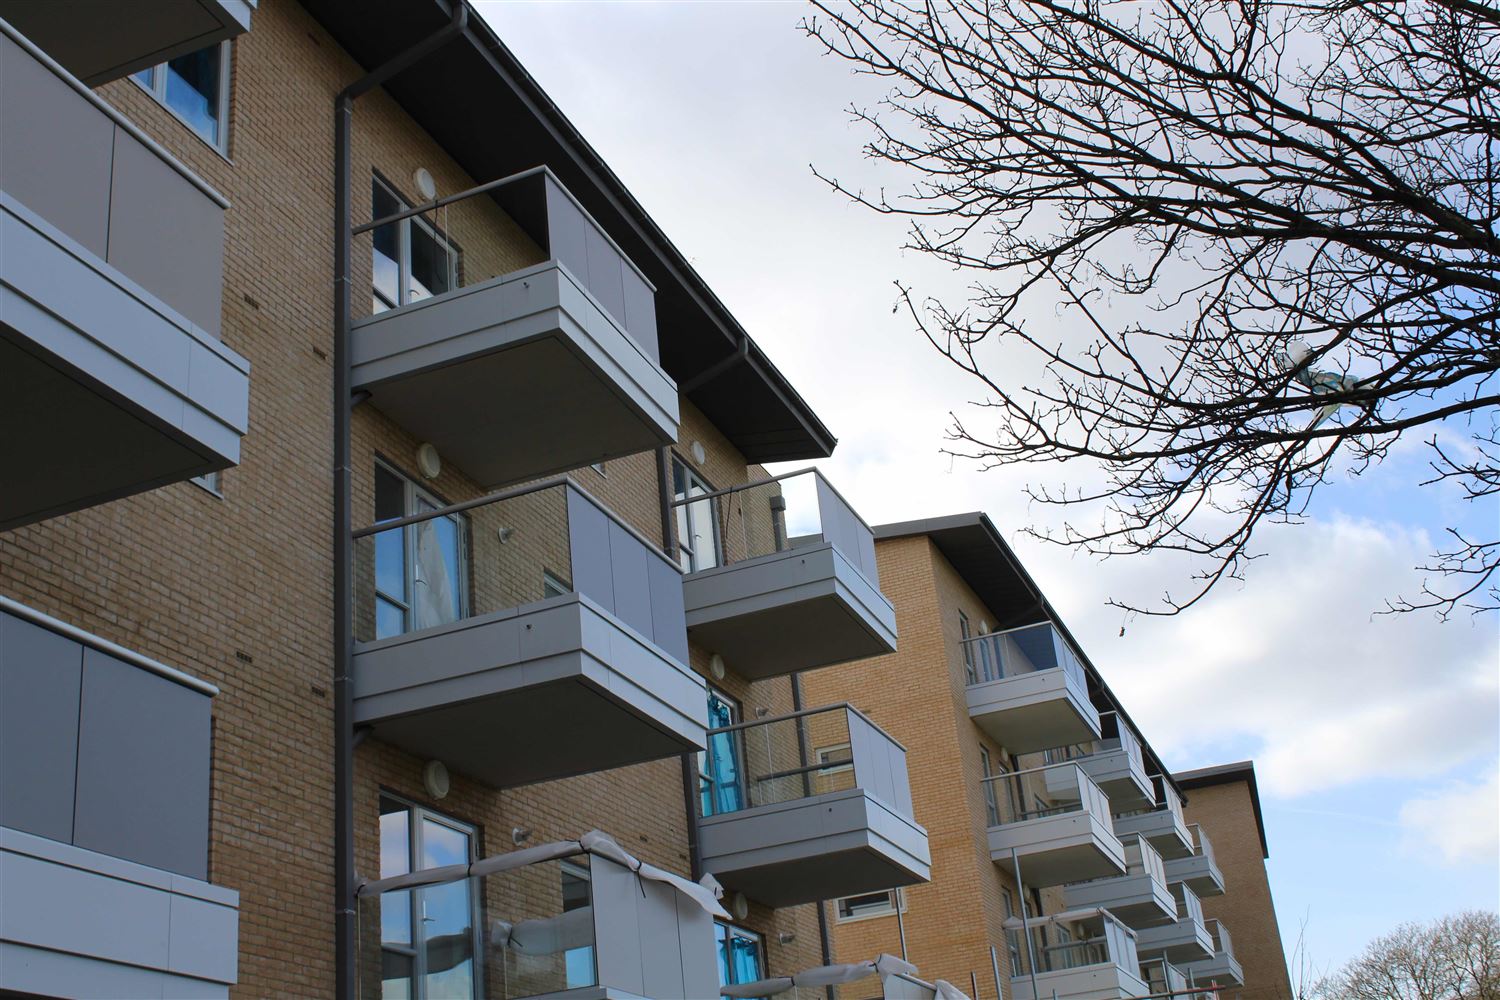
(1376, 739)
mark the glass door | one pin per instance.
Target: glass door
(719, 766)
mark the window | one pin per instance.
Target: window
(411, 260)
(578, 962)
(970, 675)
(1012, 937)
(719, 766)
(839, 775)
(991, 800)
(211, 481)
(697, 534)
(428, 936)
(421, 570)
(739, 955)
(871, 904)
(195, 88)
(554, 585)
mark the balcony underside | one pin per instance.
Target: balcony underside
(78, 923)
(796, 610)
(518, 377)
(1201, 875)
(1053, 850)
(546, 691)
(1222, 969)
(1136, 900)
(1118, 777)
(98, 42)
(1091, 982)
(1181, 942)
(1031, 712)
(839, 844)
(104, 390)
(1159, 826)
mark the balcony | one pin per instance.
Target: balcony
(781, 576)
(1162, 824)
(809, 806)
(1056, 820)
(1199, 870)
(527, 636)
(1183, 940)
(1095, 961)
(579, 925)
(1139, 898)
(1027, 689)
(99, 42)
(514, 367)
(1222, 969)
(104, 810)
(112, 377)
(1165, 979)
(1115, 763)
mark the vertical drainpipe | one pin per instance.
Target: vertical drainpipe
(345, 941)
(823, 938)
(689, 770)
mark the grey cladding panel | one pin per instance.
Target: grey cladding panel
(628, 564)
(143, 768)
(640, 313)
(588, 538)
(617, 946)
(39, 685)
(846, 531)
(668, 627)
(567, 231)
(604, 280)
(164, 234)
(57, 159)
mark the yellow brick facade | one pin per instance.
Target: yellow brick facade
(238, 590)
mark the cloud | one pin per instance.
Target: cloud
(1461, 821)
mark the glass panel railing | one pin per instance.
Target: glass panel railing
(798, 756)
(1189, 908)
(1202, 846)
(1060, 945)
(1163, 977)
(1024, 650)
(1222, 943)
(781, 514)
(409, 255)
(1042, 792)
(430, 567)
(518, 933)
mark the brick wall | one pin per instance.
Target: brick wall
(238, 590)
(1227, 814)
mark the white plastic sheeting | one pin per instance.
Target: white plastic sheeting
(883, 966)
(706, 894)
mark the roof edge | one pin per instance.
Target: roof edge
(1228, 774)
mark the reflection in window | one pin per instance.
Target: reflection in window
(719, 765)
(428, 935)
(410, 260)
(578, 962)
(697, 535)
(195, 88)
(421, 570)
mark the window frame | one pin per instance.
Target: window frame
(416, 951)
(724, 931)
(403, 251)
(412, 494)
(991, 797)
(586, 874)
(895, 901)
(157, 88)
(707, 784)
(965, 633)
(684, 518)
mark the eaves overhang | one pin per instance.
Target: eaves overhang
(487, 112)
(976, 550)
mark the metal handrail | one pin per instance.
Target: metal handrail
(814, 470)
(1040, 767)
(510, 494)
(803, 713)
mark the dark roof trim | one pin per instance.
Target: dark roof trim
(821, 441)
(937, 528)
(1228, 774)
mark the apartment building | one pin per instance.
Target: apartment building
(1224, 802)
(393, 600)
(1067, 861)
